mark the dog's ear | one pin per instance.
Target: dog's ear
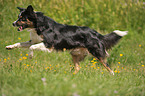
(21, 9)
(29, 9)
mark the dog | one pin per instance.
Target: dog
(79, 39)
(35, 42)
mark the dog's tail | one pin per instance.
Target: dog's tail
(111, 39)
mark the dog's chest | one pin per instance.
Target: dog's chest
(35, 38)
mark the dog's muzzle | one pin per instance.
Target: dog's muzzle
(14, 23)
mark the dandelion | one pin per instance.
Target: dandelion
(20, 59)
(115, 71)
(65, 72)
(28, 65)
(26, 54)
(118, 71)
(121, 55)
(98, 67)
(19, 38)
(46, 68)
(122, 68)
(139, 45)
(8, 58)
(24, 64)
(74, 73)
(21, 54)
(142, 65)
(50, 65)
(24, 58)
(5, 59)
(30, 70)
(117, 66)
(134, 69)
(118, 62)
(94, 58)
(92, 61)
(102, 72)
(0, 59)
(64, 49)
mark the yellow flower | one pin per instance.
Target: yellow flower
(28, 65)
(19, 38)
(24, 64)
(50, 64)
(118, 62)
(142, 65)
(94, 58)
(121, 55)
(134, 69)
(65, 72)
(122, 67)
(5, 59)
(117, 66)
(92, 61)
(0, 59)
(92, 66)
(26, 54)
(30, 70)
(102, 72)
(98, 67)
(21, 54)
(24, 58)
(74, 73)
(118, 71)
(115, 71)
(8, 58)
(64, 49)
(20, 59)
(139, 45)
(46, 68)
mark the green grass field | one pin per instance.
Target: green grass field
(48, 74)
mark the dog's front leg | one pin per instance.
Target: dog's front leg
(78, 55)
(39, 46)
(19, 45)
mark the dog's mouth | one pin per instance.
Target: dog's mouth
(21, 28)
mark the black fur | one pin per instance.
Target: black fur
(62, 36)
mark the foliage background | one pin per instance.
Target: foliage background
(49, 74)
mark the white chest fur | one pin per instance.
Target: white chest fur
(34, 36)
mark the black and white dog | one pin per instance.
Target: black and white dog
(80, 40)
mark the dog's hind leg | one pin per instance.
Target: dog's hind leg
(104, 62)
(78, 55)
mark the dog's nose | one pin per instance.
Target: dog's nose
(13, 24)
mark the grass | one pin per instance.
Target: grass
(49, 74)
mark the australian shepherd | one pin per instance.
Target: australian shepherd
(80, 40)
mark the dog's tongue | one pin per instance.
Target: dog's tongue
(20, 28)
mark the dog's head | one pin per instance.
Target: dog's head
(26, 18)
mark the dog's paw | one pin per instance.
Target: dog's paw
(9, 47)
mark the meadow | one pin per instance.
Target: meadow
(48, 74)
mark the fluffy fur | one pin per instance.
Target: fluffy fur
(79, 39)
